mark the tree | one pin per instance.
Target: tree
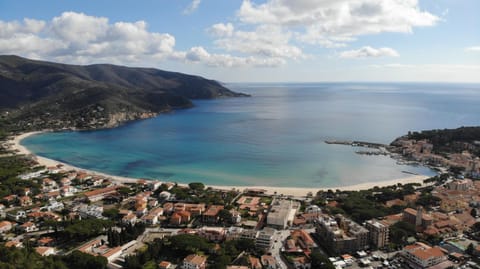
(470, 249)
(473, 212)
(225, 216)
(320, 261)
(196, 186)
(80, 260)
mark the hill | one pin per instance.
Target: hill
(38, 95)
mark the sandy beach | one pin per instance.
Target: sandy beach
(297, 192)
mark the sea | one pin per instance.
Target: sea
(276, 137)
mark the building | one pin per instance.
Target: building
(214, 234)
(282, 213)
(420, 255)
(28, 227)
(264, 238)
(45, 251)
(378, 233)
(268, 262)
(460, 185)
(341, 235)
(165, 265)
(99, 194)
(5, 226)
(303, 240)
(130, 218)
(194, 261)
(417, 217)
(211, 216)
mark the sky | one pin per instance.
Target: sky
(253, 40)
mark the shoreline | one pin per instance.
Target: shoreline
(15, 145)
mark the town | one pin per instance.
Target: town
(91, 221)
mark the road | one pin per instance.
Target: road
(278, 238)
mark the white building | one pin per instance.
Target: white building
(282, 213)
(264, 238)
(420, 255)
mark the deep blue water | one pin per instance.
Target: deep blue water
(274, 138)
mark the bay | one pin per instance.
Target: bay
(274, 138)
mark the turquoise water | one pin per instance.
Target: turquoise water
(274, 138)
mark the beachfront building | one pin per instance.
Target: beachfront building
(341, 235)
(282, 213)
(378, 233)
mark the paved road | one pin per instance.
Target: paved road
(278, 238)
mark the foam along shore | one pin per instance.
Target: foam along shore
(297, 192)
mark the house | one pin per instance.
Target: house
(214, 234)
(164, 195)
(165, 265)
(45, 241)
(5, 226)
(99, 194)
(150, 219)
(45, 251)
(97, 247)
(194, 261)
(179, 218)
(268, 262)
(67, 191)
(211, 215)
(65, 181)
(129, 219)
(254, 262)
(153, 185)
(16, 216)
(9, 199)
(28, 227)
(13, 243)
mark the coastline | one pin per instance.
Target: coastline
(15, 145)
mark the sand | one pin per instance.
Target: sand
(296, 192)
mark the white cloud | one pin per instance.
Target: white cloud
(192, 7)
(266, 41)
(331, 23)
(438, 68)
(221, 29)
(82, 39)
(369, 52)
(199, 54)
(473, 49)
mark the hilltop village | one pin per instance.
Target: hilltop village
(53, 217)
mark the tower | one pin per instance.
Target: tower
(418, 218)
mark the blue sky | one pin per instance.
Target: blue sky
(255, 41)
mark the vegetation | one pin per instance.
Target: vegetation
(10, 168)
(20, 258)
(43, 95)
(366, 204)
(451, 140)
(127, 234)
(320, 261)
(177, 247)
(400, 231)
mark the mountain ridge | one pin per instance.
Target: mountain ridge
(39, 95)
